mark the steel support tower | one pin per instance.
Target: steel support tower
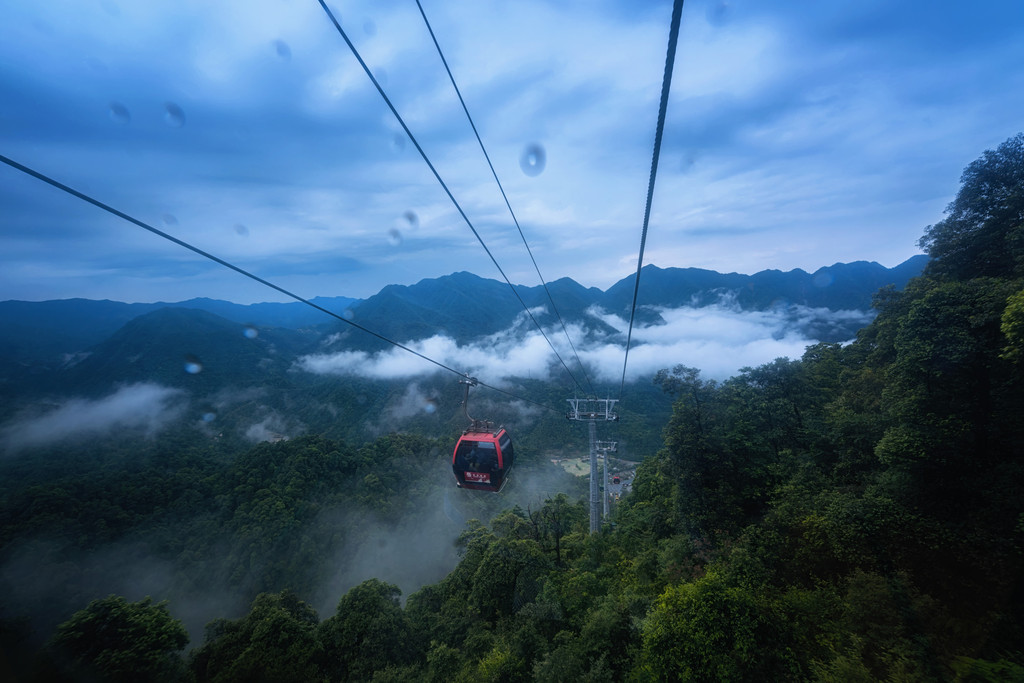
(592, 410)
(605, 447)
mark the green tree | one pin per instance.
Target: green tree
(609, 632)
(1012, 325)
(556, 518)
(508, 577)
(116, 640)
(699, 467)
(443, 663)
(952, 402)
(983, 232)
(276, 641)
(982, 671)
(779, 403)
(711, 630)
(369, 632)
(724, 442)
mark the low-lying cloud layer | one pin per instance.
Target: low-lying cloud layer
(144, 407)
(719, 339)
(506, 354)
(273, 427)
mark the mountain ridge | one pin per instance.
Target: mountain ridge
(92, 349)
(409, 312)
(461, 305)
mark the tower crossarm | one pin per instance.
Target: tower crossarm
(592, 409)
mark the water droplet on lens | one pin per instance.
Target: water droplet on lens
(169, 219)
(347, 314)
(193, 365)
(398, 142)
(283, 50)
(241, 230)
(209, 417)
(119, 113)
(250, 332)
(430, 406)
(382, 76)
(532, 160)
(394, 237)
(369, 28)
(174, 116)
(823, 279)
(411, 219)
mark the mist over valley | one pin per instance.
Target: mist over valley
(99, 394)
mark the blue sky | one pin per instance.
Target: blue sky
(799, 134)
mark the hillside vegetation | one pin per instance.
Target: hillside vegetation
(851, 515)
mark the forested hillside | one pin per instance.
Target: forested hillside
(210, 525)
(852, 515)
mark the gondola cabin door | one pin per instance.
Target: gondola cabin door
(483, 460)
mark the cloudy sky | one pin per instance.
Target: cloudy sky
(799, 134)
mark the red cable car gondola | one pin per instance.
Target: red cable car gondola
(482, 460)
(483, 456)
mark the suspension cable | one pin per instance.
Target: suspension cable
(515, 220)
(156, 231)
(666, 86)
(444, 186)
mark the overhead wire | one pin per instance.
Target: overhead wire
(216, 259)
(504, 196)
(444, 186)
(666, 86)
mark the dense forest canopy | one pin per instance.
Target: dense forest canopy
(851, 515)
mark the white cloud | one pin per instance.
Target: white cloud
(412, 403)
(719, 339)
(502, 355)
(270, 428)
(142, 407)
